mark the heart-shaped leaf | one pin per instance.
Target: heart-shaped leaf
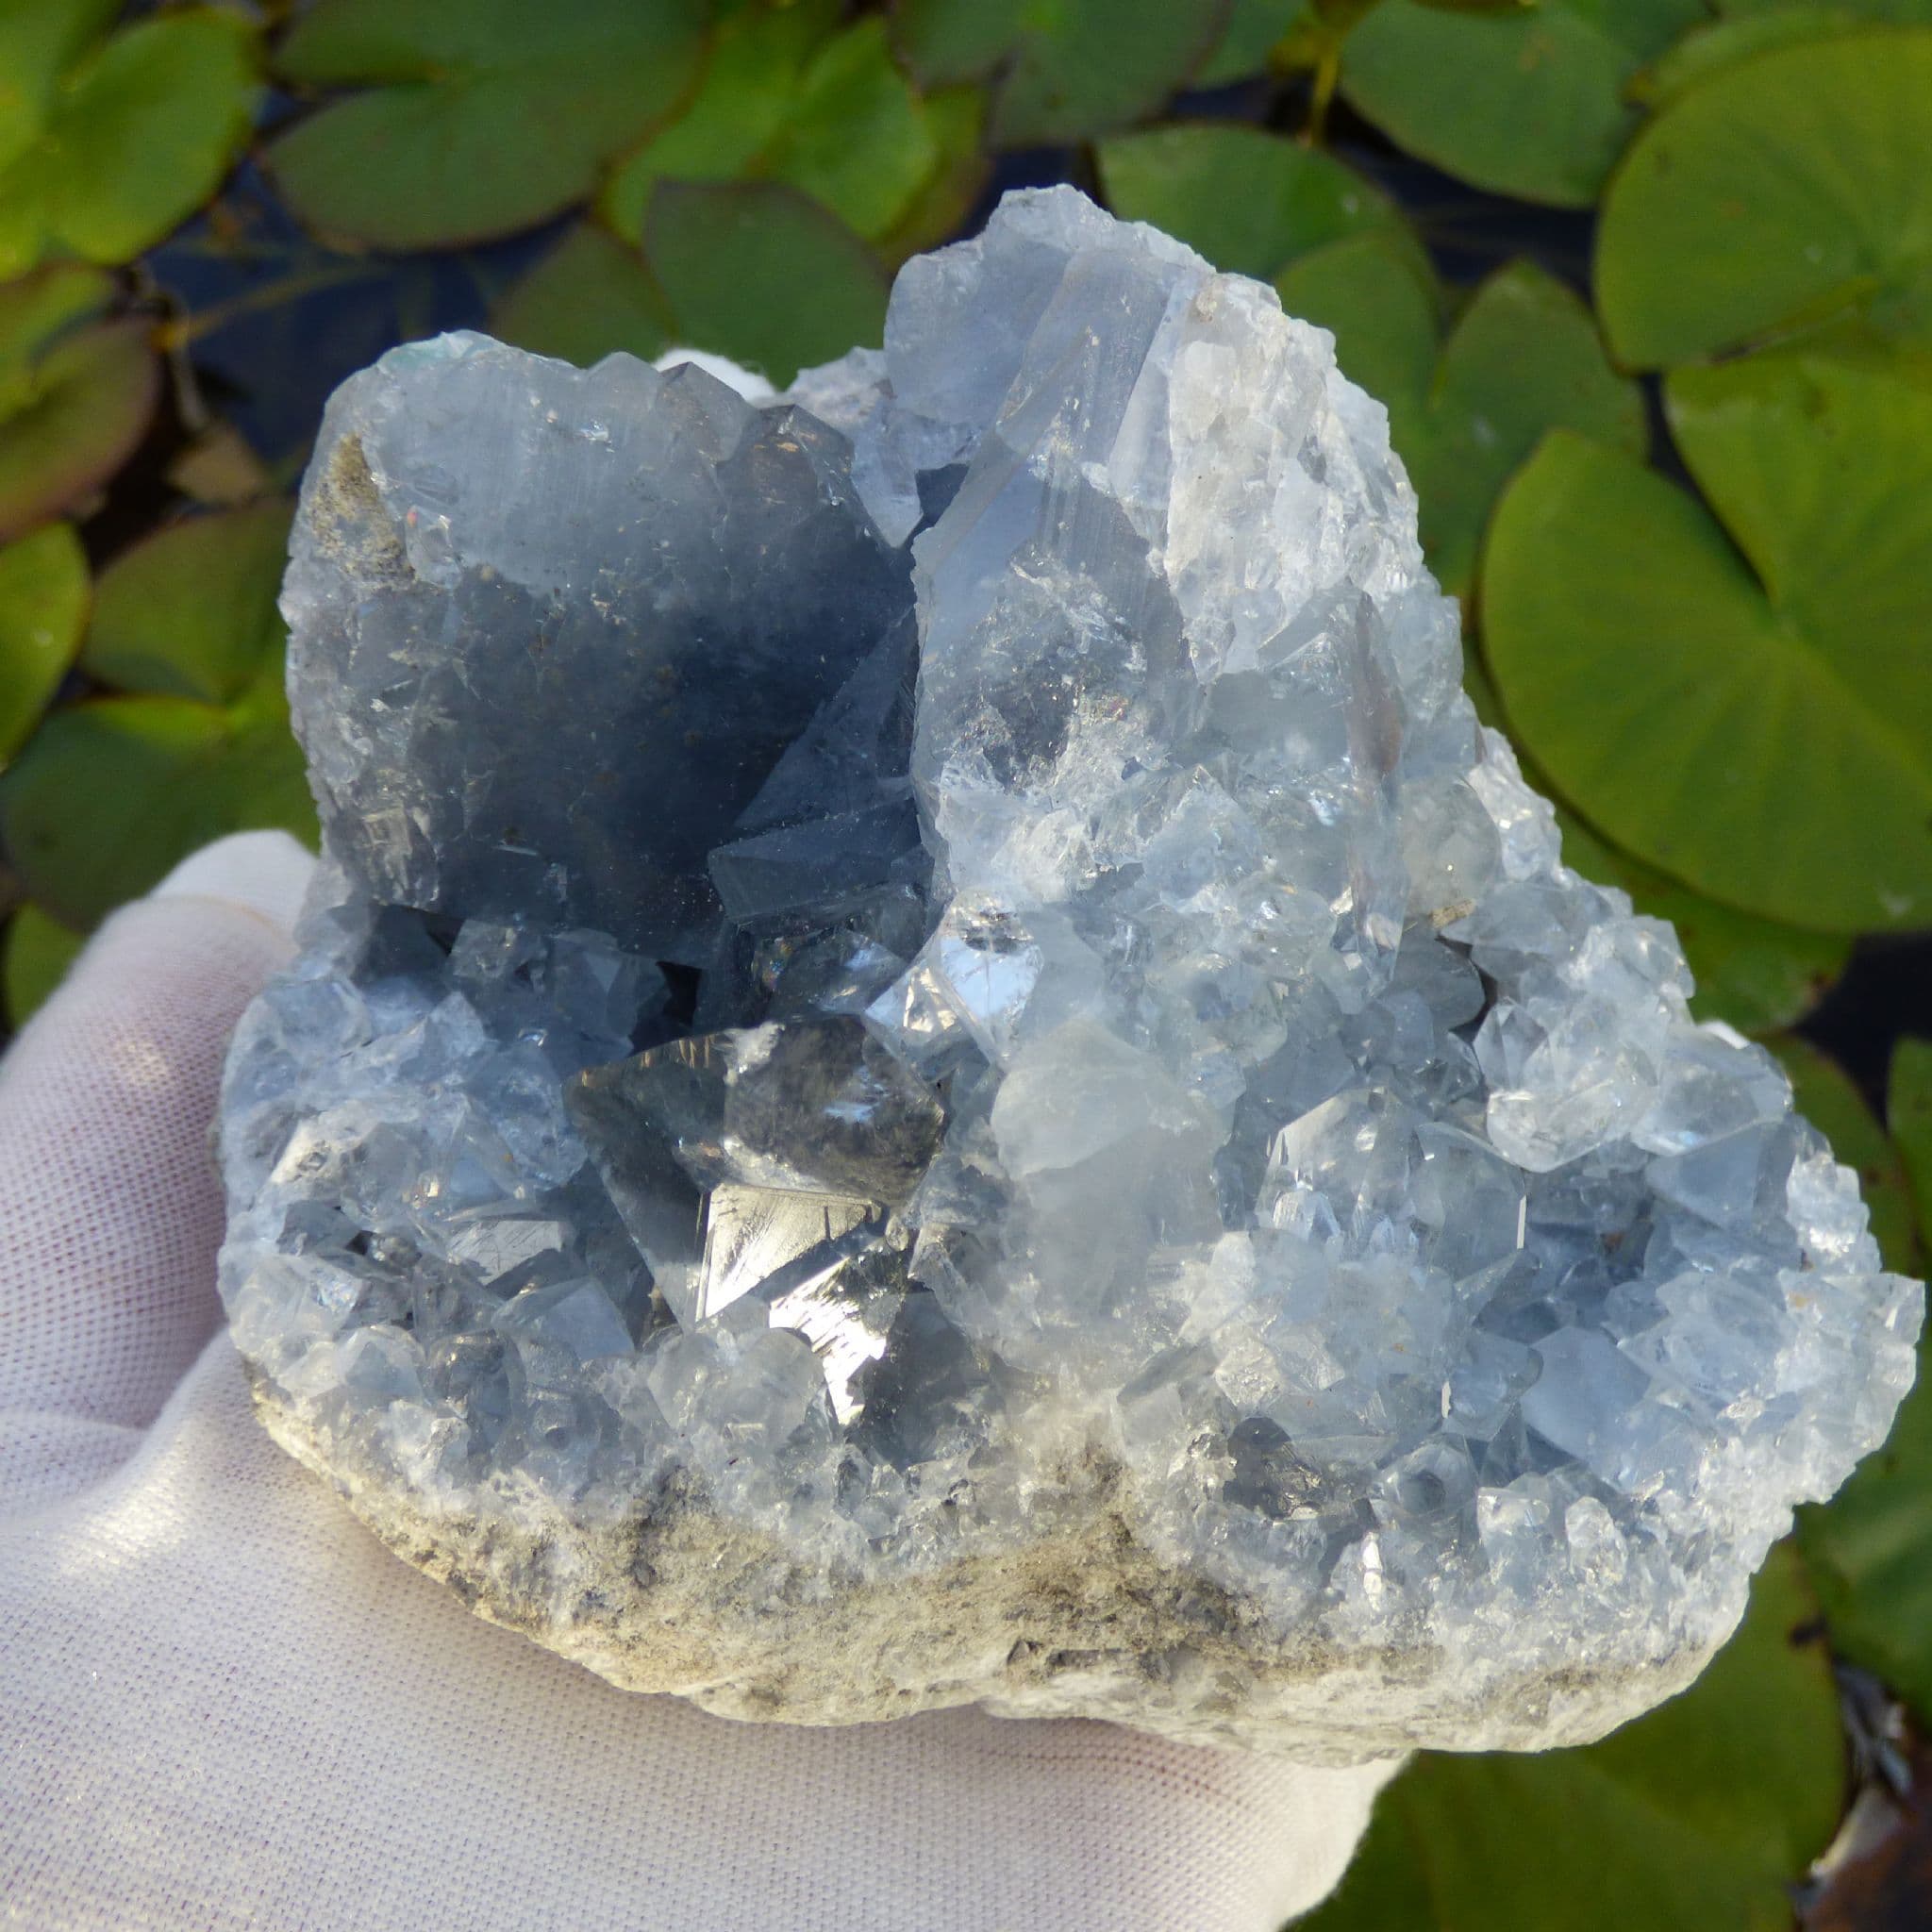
(111, 792)
(1250, 202)
(1695, 1817)
(1768, 742)
(37, 953)
(1528, 102)
(479, 119)
(1066, 69)
(762, 274)
(191, 612)
(1523, 358)
(783, 98)
(112, 146)
(1788, 191)
(1869, 1548)
(70, 415)
(43, 598)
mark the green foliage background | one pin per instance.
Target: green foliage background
(1646, 285)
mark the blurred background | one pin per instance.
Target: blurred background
(1646, 285)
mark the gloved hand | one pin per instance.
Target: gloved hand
(223, 1703)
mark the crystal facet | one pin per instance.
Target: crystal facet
(934, 1061)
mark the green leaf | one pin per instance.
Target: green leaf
(759, 272)
(72, 416)
(1695, 1817)
(1710, 49)
(1067, 68)
(38, 44)
(1523, 358)
(1759, 747)
(43, 596)
(1255, 29)
(947, 42)
(481, 119)
(1908, 1112)
(191, 612)
(780, 100)
(1529, 103)
(1381, 303)
(1754, 974)
(1826, 1097)
(35, 312)
(132, 141)
(940, 205)
(1870, 1548)
(111, 792)
(1248, 201)
(38, 952)
(1793, 189)
(1901, 12)
(590, 296)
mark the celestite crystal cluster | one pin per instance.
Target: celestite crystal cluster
(933, 1060)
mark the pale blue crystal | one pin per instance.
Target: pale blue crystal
(942, 961)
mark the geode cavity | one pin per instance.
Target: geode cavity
(934, 1063)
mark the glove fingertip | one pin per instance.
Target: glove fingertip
(263, 873)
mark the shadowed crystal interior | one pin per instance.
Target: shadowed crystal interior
(934, 1061)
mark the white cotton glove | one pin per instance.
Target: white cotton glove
(223, 1703)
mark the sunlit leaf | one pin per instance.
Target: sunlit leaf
(190, 613)
(1528, 102)
(1789, 190)
(1709, 50)
(783, 99)
(1753, 973)
(44, 599)
(129, 141)
(1523, 358)
(479, 119)
(1767, 743)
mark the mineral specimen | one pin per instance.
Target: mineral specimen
(933, 1060)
